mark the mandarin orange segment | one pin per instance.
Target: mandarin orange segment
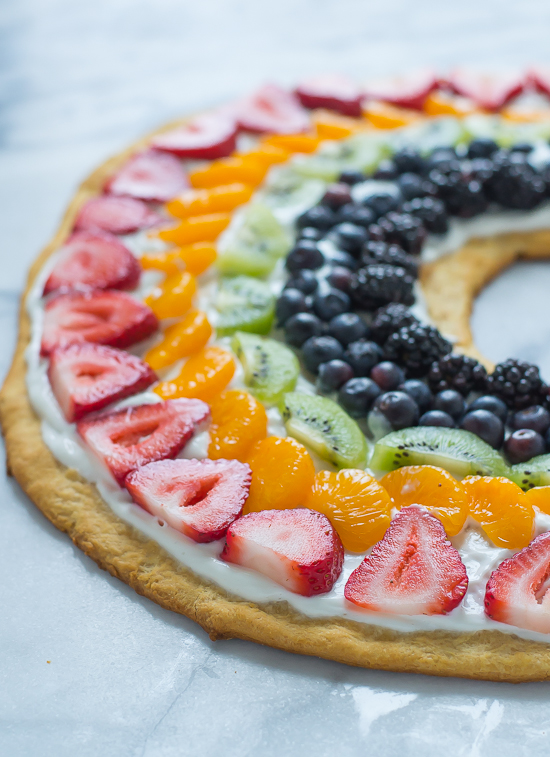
(196, 202)
(239, 421)
(180, 340)
(268, 155)
(432, 487)
(196, 229)
(385, 116)
(502, 509)
(202, 377)
(282, 475)
(440, 103)
(539, 497)
(197, 257)
(168, 262)
(358, 506)
(330, 125)
(238, 168)
(293, 142)
(174, 297)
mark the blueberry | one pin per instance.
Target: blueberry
(450, 401)
(336, 196)
(357, 395)
(398, 408)
(301, 327)
(386, 171)
(321, 349)
(486, 425)
(309, 232)
(290, 302)
(492, 404)
(411, 185)
(347, 327)
(344, 260)
(482, 148)
(419, 391)
(305, 254)
(524, 444)
(350, 236)
(356, 214)
(306, 281)
(408, 160)
(328, 305)
(340, 278)
(351, 177)
(332, 375)
(535, 417)
(387, 375)
(382, 202)
(437, 418)
(363, 356)
(319, 217)
(523, 147)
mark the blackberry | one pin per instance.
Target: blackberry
(382, 202)
(431, 211)
(518, 384)
(403, 229)
(392, 254)
(389, 319)
(415, 348)
(359, 215)
(464, 374)
(411, 185)
(377, 285)
(482, 148)
(408, 160)
(463, 197)
(515, 184)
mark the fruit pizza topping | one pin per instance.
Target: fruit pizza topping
(204, 138)
(117, 215)
(203, 376)
(409, 91)
(180, 340)
(501, 509)
(272, 109)
(151, 176)
(86, 377)
(332, 92)
(199, 498)
(414, 570)
(93, 260)
(238, 422)
(129, 438)
(298, 549)
(491, 91)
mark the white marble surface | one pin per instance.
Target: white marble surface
(88, 667)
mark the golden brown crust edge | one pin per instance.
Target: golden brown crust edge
(74, 506)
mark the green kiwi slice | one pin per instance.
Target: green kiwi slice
(459, 452)
(535, 472)
(322, 425)
(244, 304)
(270, 368)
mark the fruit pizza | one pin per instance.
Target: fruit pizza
(246, 385)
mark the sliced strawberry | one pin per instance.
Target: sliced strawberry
(200, 498)
(127, 439)
(110, 317)
(490, 91)
(87, 377)
(408, 91)
(272, 109)
(540, 78)
(93, 260)
(517, 592)
(150, 175)
(205, 138)
(298, 549)
(332, 92)
(118, 215)
(414, 570)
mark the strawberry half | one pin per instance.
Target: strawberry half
(150, 175)
(298, 549)
(205, 138)
(93, 260)
(491, 91)
(332, 92)
(408, 91)
(87, 377)
(517, 591)
(134, 436)
(110, 317)
(271, 109)
(540, 78)
(200, 498)
(414, 570)
(117, 215)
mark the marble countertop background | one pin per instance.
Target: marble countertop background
(88, 668)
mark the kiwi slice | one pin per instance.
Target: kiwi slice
(255, 244)
(322, 425)
(362, 152)
(270, 368)
(428, 135)
(244, 304)
(535, 472)
(289, 194)
(459, 452)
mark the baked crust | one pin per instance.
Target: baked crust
(73, 505)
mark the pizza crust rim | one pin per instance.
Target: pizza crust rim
(74, 506)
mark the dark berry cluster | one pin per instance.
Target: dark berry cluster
(517, 384)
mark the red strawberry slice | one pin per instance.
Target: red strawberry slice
(333, 92)
(87, 377)
(127, 439)
(93, 260)
(408, 91)
(205, 138)
(117, 215)
(539, 77)
(491, 91)
(414, 570)
(298, 549)
(200, 498)
(150, 175)
(271, 109)
(112, 318)
(517, 592)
